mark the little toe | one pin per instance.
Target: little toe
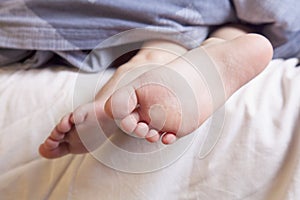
(152, 136)
(141, 129)
(61, 150)
(168, 138)
(129, 123)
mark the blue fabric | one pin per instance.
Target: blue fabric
(67, 27)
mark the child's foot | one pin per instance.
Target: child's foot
(64, 138)
(174, 100)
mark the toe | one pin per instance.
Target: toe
(168, 138)
(57, 152)
(50, 144)
(141, 129)
(57, 135)
(61, 128)
(65, 124)
(152, 136)
(129, 123)
(80, 114)
(121, 103)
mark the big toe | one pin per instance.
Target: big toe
(121, 103)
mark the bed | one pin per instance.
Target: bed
(256, 155)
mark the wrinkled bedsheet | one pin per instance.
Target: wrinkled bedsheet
(256, 155)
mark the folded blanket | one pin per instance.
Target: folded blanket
(67, 27)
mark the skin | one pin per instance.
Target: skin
(141, 107)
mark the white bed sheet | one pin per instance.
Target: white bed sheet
(256, 157)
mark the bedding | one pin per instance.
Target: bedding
(255, 156)
(38, 30)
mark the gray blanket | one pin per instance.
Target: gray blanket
(33, 31)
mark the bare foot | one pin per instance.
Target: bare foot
(174, 100)
(64, 138)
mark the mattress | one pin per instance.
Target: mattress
(252, 154)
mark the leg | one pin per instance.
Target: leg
(64, 138)
(151, 108)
